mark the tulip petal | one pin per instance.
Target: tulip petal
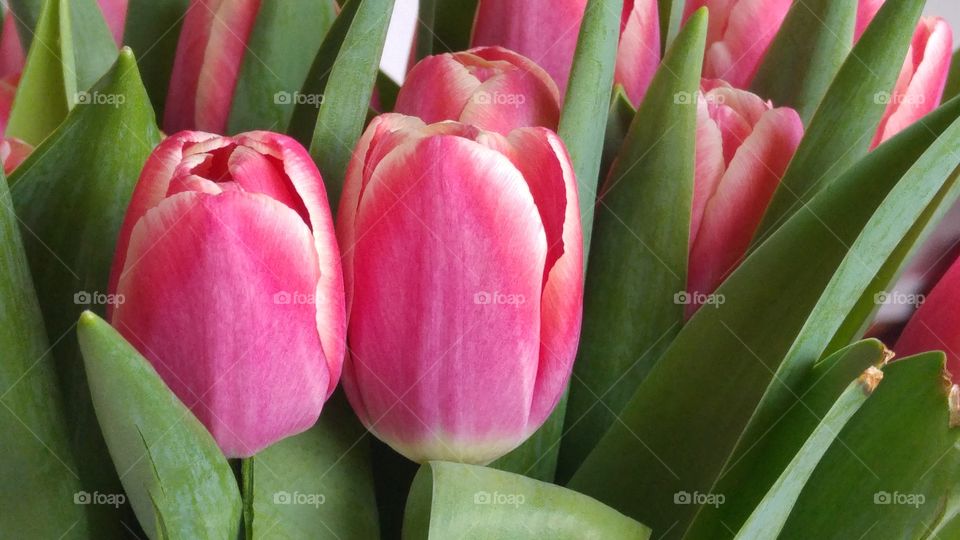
(12, 153)
(11, 51)
(203, 266)
(115, 13)
(455, 300)
(936, 324)
(8, 90)
(638, 55)
(421, 96)
(866, 11)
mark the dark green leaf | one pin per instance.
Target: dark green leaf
(639, 260)
(387, 91)
(671, 14)
(453, 25)
(952, 89)
(450, 500)
(807, 53)
(284, 41)
(178, 481)
(618, 123)
(152, 31)
(425, 28)
(27, 13)
(313, 485)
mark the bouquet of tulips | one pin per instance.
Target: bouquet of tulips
(596, 269)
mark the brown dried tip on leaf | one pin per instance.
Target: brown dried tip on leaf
(870, 379)
(888, 355)
(954, 402)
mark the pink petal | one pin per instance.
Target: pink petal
(8, 90)
(436, 89)
(936, 324)
(638, 55)
(11, 51)
(435, 371)
(201, 304)
(710, 164)
(866, 11)
(12, 153)
(115, 13)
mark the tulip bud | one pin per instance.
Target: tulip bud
(115, 14)
(738, 35)
(227, 279)
(936, 323)
(743, 148)
(463, 269)
(491, 88)
(11, 51)
(638, 55)
(207, 64)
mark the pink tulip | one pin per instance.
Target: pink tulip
(491, 88)
(638, 55)
(227, 279)
(936, 324)
(743, 148)
(209, 55)
(12, 153)
(463, 269)
(738, 36)
(866, 11)
(919, 88)
(8, 90)
(115, 14)
(11, 51)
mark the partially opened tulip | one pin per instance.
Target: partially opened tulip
(936, 323)
(491, 88)
(743, 148)
(463, 270)
(207, 64)
(227, 279)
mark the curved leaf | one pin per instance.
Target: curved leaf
(453, 25)
(152, 31)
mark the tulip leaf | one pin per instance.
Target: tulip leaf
(731, 369)
(71, 195)
(755, 471)
(27, 13)
(644, 227)
(618, 123)
(586, 105)
(453, 25)
(152, 31)
(35, 447)
(316, 484)
(842, 129)
(426, 21)
(452, 500)
(179, 483)
(952, 89)
(284, 41)
(807, 53)
(892, 470)
(72, 50)
(387, 91)
(671, 15)
(347, 93)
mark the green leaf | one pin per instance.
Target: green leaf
(347, 93)
(586, 105)
(644, 227)
(280, 51)
(732, 368)
(671, 15)
(952, 89)
(807, 53)
(844, 125)
(35, 447)
(152, 31)
(72, 50)
(892, 472)
(71, 195)
(618, 123)
(178, 481)
(316, 484)
(451, 500)
(453, 25)
(27, 13)
(765, 456)
(387, 91)
(426, 21)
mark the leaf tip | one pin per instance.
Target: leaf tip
(870, 379)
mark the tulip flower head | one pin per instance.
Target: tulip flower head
(491, 88)
(463, 269)
(227, 279)
(936, 323)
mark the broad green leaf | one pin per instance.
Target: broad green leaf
(387, 90)
(34, 445)
(451, 500)
(892, 472)
(671, 15)
(179, 483)
(842, 129)
(284, 41)
(152, 31)
(807, 53)
(347, 93)
(731, 369)
(618, 123)
(70, 196)
(426, 21)
(585, 108)
(952, 89)
(639, 261)
(453, 25)
(27, 13)
(72, 49)
(316, 484)
(753, 472)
